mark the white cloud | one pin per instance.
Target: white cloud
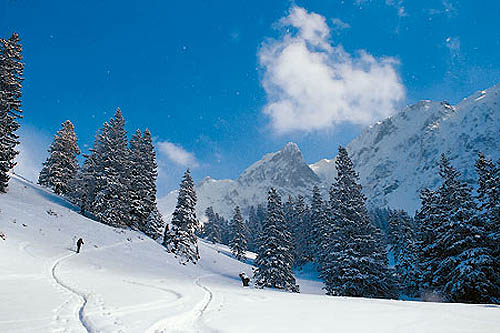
(313, 85)
(339, 25)
(177, 154)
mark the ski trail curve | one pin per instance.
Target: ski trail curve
(83, 298)
(190, 321)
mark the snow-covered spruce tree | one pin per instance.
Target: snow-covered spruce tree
(238, 243)
(274, 260)
(320, 234)
(211, 227)
(290, 221)
(154, 226)
(180, 238)
(302, 229)
(111, 202)
(83, 188)
(256, 218)
(489, 201)
(356, 262)
(61, 167)
(142, 180)
(465, 270)
(402, 237)
(400, 231)
(11, 78)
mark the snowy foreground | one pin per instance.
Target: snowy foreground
(124, 282)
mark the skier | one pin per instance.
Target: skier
(244, 279)
(79, 244)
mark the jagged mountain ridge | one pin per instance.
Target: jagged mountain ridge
(285, 170)
(395, 157)
(399, 156)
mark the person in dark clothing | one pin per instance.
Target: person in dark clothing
(79, 244)
(244, 279)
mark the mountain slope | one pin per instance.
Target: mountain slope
(124, 282)
(398, 156)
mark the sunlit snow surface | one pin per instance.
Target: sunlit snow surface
(124, 282)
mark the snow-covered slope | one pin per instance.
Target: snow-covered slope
(398, 156)
(124, 282)
(285, 170)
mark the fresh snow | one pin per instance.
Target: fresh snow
(124, 282)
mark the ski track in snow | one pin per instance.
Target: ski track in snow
(189, 321)
(83, 297)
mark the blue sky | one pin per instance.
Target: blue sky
(220, 83)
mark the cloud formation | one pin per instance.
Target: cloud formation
(313, 85)
(177, 154)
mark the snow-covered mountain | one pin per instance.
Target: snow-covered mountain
(398, 156)
(395, 157)
(285, 170)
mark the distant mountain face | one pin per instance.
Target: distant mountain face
(286, 170)
(395, 158)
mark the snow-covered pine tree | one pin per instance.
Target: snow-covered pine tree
(154, 226)
(465, 269)
(489, 201)
(320, 234)
(274, 260)
(302, 230)
(61, 167)
(256, 218)
(429, 219)
(111, 203)
(142, 180)
(238, 243)
(139, 212)
(400, 231)
(11, 78)
(356, 262)
(403, 244)
(83, 188)
(290, 222)
(180, 238)
(211, 227)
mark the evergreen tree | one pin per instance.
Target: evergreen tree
(489, 201)
(180, 238)
(456, 261)
(403, 243)
(400, 230)
(154, 226)
(302, 229)
(11, 78)
(320, 234)
(256, 218)
(211, 227)
(238, 242)
(465, 271)
(61, 167)
(356, 261)
(274, 261)
(111, 203)
(142, 180)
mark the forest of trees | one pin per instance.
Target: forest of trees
(449, 251)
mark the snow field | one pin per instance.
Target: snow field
(125, 282)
